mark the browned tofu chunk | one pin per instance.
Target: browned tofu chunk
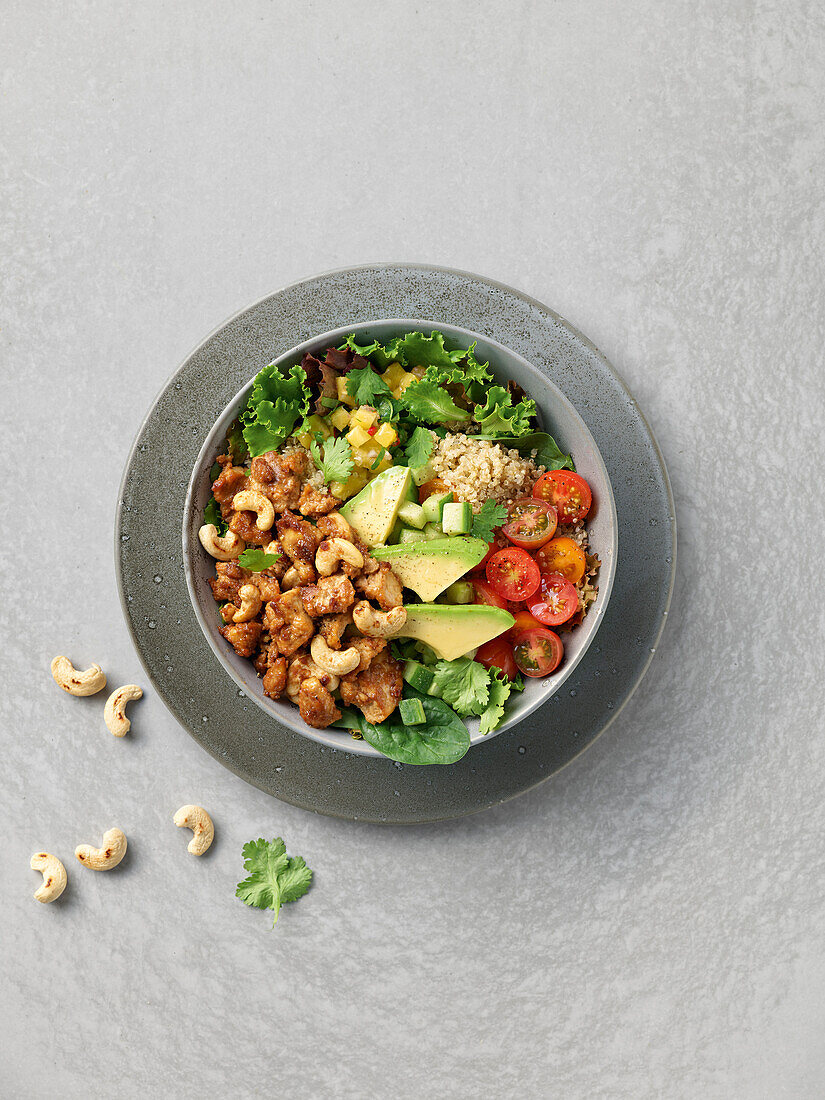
(298, 628)
(377, 691)
(382, 586)
(315, 502)
(315, 704)
(330, 596)
(243, 637)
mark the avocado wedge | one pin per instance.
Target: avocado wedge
(430, 567)
(373, 512)
(453, 631)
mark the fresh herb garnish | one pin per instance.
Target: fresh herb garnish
(490, 516)
(366, 387)
(464, 684)
(274, 877)
(336, 462)
(380, 458)
(500, 688)
(256, 560)
(419, 448)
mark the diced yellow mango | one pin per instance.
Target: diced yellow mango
(305, 438)
(406, 380)
(383, 465)
(386, 435)
(357, 437)
(317, 424)
(364, 417)
(346, 489)
(339, 419)
(393, 374)
(366, 454)
(343, 396)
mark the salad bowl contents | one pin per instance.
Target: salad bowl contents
(397, 546)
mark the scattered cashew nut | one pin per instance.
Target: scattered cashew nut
(333, 551)
(54, 876)
(378, 624)
(250, 603)
(198, 820)
(222, 547)
(89, 682)
(107, 857)
(250, 500)
(337, 661)
(114, 713)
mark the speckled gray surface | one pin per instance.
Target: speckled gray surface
(646, 924)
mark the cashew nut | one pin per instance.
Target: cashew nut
(378, 624)
(198, 820)
(222, 547)
(290, 579)
(107, 857)
(114, 713)
(54, 876)
(67, 676)
(250, 603)
(337, 661)
(250, 500)
(333, 551)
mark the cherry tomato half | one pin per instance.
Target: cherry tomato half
(538, 652)
(569, 494)
(556, 601)
(435, 485)
(524, 622)
(498, 654)
(484, 594)
(562, 555)
(513, 574)
(531, 523)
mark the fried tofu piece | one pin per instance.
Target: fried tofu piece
(316, 705)
(243, 637)
(332, 627)
(278, 477)
(382, 586)
(330, 596)
(376, 691)
(274, 680)
(297, 628)
(368, 648)
(313, 502)
(299, 539)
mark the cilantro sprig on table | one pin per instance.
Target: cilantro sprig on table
(274, 877)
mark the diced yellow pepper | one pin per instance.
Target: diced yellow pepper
(364, 417)
(343, 396)
(357, 437)
(339, 419)
(386, 435)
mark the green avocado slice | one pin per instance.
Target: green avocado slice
(430, 567)
(372, 513)
(453, 631)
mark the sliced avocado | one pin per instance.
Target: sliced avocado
(454, 631)
(430, 567)
(372, 513)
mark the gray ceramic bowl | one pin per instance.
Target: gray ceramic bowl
(556, 416)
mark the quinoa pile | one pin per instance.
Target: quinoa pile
(478, 470)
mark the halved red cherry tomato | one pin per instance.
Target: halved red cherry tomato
(556, 601)
(538, 652)
(524, 622)
(498, 654)
(513, 574)
(569, 494)
(531, 523)
(562, 555)
(484, 594)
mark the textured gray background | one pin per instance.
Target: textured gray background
(649, 923)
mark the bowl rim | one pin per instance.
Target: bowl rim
(336, 737)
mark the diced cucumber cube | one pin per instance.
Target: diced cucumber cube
(459, 592)
(412, 712)
(418, 676)
(423, 474)
(412, 514)
(410, 534)
(434, 505)
(433, 531)
(457, 519)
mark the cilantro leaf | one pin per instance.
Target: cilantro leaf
(546, 449)
(212, 514)
(500, 688)
(419, 448)
(366, 386)
(428, 402)
(274, 878)
(464, 684)
(498, 416)
(255, 560)
(491, 515)
(336, 463)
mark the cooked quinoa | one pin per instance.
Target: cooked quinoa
(478, 470)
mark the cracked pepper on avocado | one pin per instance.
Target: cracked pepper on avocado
(395, 538)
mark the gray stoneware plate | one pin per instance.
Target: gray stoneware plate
(218, 714)
(556, 416)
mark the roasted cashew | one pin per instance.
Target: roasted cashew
(89, 682)
(337, 661)
(250, 603)
(306, 665)
(378, 624)
(107, 857)
(198, 820)
(222, 547)
(290, 579)
(54, 876)
(250, 500)
(333, 551)
(114, 713)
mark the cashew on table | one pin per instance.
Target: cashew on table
(88, 682)
(108, 856)
(54, 876)
(198, 820)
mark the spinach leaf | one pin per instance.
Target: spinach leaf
(547, 450)
(443, 740)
